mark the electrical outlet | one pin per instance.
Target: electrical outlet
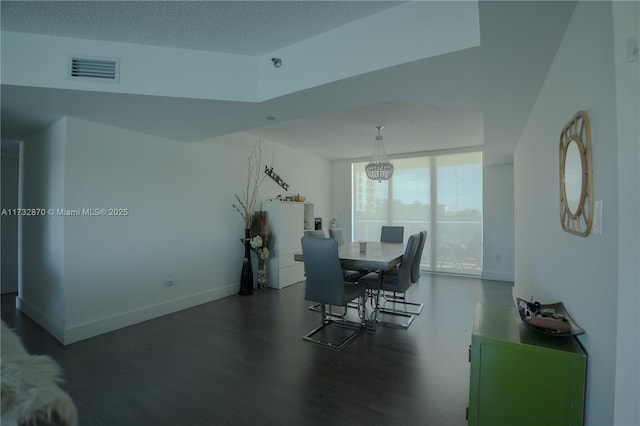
(170, 280)
(633, 53)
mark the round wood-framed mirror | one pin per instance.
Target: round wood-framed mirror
(576, 176)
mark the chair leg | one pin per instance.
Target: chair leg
(393, 324)
(362, 309)
(316, 308)
(401, 299)
(396, 313)
(326, 320)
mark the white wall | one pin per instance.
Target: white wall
(341, 187)
(179, 222)
(41, 282)
(552, 265)
(116, 266)
(626, 19)
(9, 230)
(388, 38)
(498, 223)
(144, 69)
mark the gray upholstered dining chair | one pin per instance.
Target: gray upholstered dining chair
(397, 280)
(316, 233)
(414, 308)
(392, 234)
(336, 234)
(415, 267)
(349, 275)
(326, 286)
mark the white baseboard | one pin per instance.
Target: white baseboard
(43, 320)
(497, 276)
(79, 332)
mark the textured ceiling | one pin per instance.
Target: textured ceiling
(240, 27)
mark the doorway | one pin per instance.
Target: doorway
(10, 156)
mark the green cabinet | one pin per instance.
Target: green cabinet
(522, 377)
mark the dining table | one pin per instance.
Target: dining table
(377, 256)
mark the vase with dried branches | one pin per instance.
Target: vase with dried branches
(245, 205)
(260, 244)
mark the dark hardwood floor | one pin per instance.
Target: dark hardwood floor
(241, 360)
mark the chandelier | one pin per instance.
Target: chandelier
(379, 168)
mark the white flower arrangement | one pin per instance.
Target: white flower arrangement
(257, 245)
(256, 242)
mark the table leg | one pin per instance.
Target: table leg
(376, 304)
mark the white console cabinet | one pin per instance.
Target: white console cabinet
(287, 225)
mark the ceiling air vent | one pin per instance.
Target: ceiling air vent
(102, 69)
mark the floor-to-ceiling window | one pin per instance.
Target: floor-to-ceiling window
(441, 193)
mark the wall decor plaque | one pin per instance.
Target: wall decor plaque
(277, 179)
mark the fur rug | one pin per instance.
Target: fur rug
(29, 391)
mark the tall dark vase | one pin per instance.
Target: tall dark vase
(246, 278)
